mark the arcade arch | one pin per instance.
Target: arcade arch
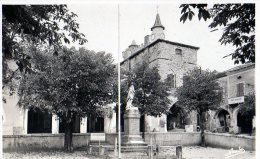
(176, 118)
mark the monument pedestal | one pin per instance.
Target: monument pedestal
(132, 135)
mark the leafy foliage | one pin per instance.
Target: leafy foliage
(249, 105)
(200, 92)
(238, 21)
(43, 26)
(151, 94)
(74, 83)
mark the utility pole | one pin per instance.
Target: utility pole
(119, 82)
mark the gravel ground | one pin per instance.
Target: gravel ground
(47, 155)
(194, 152)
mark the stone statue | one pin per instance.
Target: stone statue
(130, 96)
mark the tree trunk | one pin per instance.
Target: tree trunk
(202, 128)
(68, 137)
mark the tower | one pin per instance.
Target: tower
(157, 29)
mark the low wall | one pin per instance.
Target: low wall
(173, 138)
(56, 141)
(230, 141)
(34, 142)
(110, 137)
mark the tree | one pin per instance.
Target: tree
(151, 93)
(74, 83)
(248, 107)
(200, 92)
(238, 22)
(44, 26)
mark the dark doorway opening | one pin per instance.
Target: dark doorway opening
(75, 125)
(95, 124)
(39, 121)
(176, 118)
(142, 125)
(244, 122)
(224, 120)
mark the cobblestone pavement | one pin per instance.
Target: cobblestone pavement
(194, 152)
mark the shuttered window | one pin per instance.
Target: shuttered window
(240, 89)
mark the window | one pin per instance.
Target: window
(95, 124)
(39, 121)
(240, 89)
(171, 80)
(178, 51)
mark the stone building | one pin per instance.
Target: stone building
(172, 59)
(236, 83)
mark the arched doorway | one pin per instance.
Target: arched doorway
(39, 121)
(176, 118)
(224, 120)
(244, 122)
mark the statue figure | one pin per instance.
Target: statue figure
(130, 96)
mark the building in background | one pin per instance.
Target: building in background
(237, 83)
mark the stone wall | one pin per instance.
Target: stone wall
(178, 64)
(56, 141)
(230, 141)
(34, 142)
(173, 138)
(110, 138)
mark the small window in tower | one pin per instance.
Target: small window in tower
(178, 51)
(171, 80)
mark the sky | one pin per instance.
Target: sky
(99, 22)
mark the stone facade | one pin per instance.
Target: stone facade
(169, 57)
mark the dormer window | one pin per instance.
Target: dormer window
(178, 51)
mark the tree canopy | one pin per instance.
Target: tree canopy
(151, 93)
(74, 83)
(200, 92)
(44, 26)
(38, 24)
(237, 21)
(76, 80)
(248, 107)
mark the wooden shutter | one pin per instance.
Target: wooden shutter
(240, 89)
